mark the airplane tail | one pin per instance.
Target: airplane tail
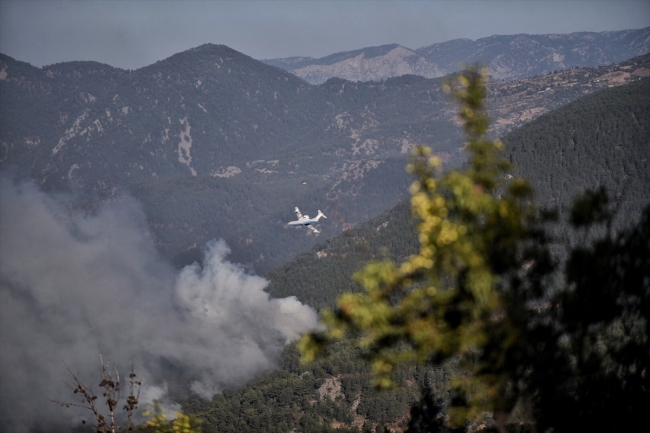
(320, 214)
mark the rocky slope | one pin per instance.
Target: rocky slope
(372, 64)
(509, 57)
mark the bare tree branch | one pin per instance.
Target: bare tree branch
(110, 381)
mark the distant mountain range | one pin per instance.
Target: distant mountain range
(217, 144)
(509, 57)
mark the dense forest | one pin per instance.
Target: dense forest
(602, 139)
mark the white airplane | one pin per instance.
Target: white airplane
(304, 220)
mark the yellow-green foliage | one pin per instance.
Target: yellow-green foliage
(447, 300)
(158, 422)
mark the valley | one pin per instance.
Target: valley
(212, 144)
(211, 136)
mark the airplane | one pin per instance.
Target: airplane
(304, 220)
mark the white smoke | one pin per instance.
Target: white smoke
(72, 287)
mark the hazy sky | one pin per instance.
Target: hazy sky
(132, 34)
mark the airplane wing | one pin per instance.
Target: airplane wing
(298, 213)
(313, 229)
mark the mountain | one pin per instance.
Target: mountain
(216, 144)
(367, 64)
(509, 57)
(335, 392)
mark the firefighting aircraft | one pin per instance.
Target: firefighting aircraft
(304, 220)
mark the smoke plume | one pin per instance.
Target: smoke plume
(75, 286)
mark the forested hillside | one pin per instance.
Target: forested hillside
(336, 391)
(601, 139)
(319, 275)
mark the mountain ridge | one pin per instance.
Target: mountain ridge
(211, 136)
(509, 57)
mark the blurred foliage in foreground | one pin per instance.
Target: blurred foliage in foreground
(541, 346)
(157, 422)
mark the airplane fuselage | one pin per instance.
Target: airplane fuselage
(303, 222)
